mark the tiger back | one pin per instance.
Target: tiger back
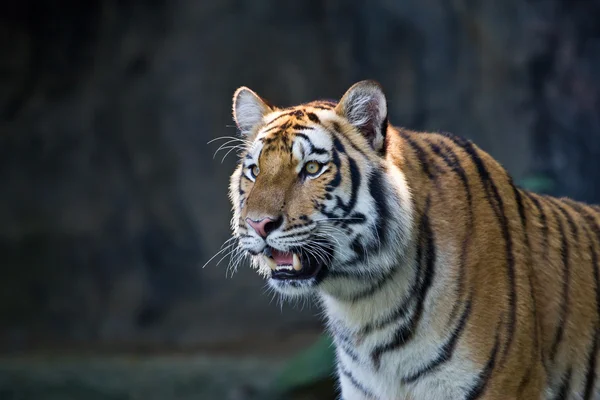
(438, 276)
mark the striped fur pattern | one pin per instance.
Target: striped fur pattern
(440, 278)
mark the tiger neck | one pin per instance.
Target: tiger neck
(364, 302)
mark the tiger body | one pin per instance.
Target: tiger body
(439, 278)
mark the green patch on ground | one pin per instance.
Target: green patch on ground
(147, 378)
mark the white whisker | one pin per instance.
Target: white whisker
(229, 137)
(227, 145)
(232, 148)
(217, 253)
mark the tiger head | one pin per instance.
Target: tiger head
(314, 200)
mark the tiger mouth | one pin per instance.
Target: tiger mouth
(292, 265)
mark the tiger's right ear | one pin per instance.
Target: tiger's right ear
(248, 109)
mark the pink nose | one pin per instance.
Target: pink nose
(265, 225)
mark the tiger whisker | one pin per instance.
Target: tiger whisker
(229, 240)
(226, 145)
(231, 251)
(233, 148)
(318, 253)
(345, 253)
(217, 254)
(229, 137)
(236, 260)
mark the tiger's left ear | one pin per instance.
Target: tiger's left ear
(249, 109)
(365, 107)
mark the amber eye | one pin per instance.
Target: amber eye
(312, 168)
(254, 170)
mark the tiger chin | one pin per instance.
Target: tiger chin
(438, 276)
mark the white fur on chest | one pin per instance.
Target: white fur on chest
(385, 382)
(449, 380)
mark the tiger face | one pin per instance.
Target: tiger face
(311, 196)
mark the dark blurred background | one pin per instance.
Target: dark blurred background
(111, 201)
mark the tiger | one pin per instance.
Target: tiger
(437, 275)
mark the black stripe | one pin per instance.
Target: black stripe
(277, 118)
(406, 332)
(521, 208)
(337, 179)
(590, 375)
(337, 143)
(591, 221)
(357, 218)
(383, 130)
(447, 349)
(241, 191)
(311, 146)
(544, 222)
(299, 127)
(343, 342)
(354, 176)
(535, 346)
(397, 314)
(378, 192)
(355, 181)
(282, 127)
(525, 380)
(420, 153)
(497, 205)
(305, 137)
(484, 376)
(349, 351)
(571, 223)
(265, 131)
(356, 383)
(313, 117)
(336, 133)
(299, 231)
(383, 214)
(376, 286)
(454, 164)
(564, 250)
(403, 308)
(384, 126)
(563, 390)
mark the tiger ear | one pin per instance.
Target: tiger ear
(248, 109)
(365, 107)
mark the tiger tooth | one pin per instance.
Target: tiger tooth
(297, 265)
(271, 263)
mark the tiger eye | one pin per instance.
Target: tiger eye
(255, 170)
(312, 167)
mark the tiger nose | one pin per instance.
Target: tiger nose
(265, 225)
